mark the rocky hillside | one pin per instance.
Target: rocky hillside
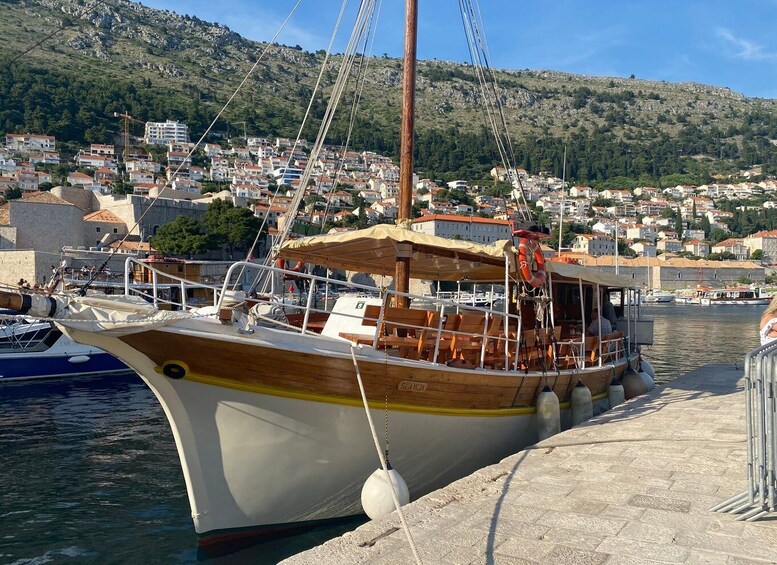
(189, 59)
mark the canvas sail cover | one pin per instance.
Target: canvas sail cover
(116, 316)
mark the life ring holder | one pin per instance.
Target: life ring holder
(528, 248)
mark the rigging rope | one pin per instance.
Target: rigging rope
(361, 74)
(361, 81)
(363, 18)
(489, 88)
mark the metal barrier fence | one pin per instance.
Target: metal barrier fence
(760, 498)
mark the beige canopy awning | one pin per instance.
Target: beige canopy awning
(374, 250)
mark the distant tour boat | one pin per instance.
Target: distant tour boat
(735, 297)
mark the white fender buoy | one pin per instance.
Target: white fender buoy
(78, 359)
(615, 393)
(650, 384)
(646, 367)
(633, 384)
(582, 404)
(376, 493)
(548, 414)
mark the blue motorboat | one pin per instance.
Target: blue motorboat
(38, 350)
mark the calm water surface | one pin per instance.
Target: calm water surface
(90, 473)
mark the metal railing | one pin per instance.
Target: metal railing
(497, 343)
(760, 498)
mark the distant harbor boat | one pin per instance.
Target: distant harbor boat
(38, 350)
(735, 297)
(658, 297)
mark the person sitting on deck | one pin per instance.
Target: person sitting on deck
(596, 322)
(768, 331)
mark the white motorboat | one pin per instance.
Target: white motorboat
(658, 297)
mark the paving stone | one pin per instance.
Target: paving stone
(623, 511)
(511, 528)
(571, 556)
(531, 550)
(630, 560)
(693, 486)
(528, 514)
(726, 526)
(648, 532)
(745, 561)
(597, 493)
(583, 523)
(573, 538)
(727, 545)
(677, 520)
(499, 559)
(764, 532)
(699, 557)
(644, 550)
(660, 503)
(560, 503)
(697, 500)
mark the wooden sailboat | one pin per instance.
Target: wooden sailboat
(262, 397)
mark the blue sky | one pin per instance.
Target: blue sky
(728, 43)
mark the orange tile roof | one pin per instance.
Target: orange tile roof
(43, 197)
(103, 216)
(142, 246)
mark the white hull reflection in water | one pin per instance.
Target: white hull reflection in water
(687, 338)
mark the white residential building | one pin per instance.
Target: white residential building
(593, 244)
(766, 241)
(477, 230)
(25, 142)
(735, 246)
(164, 133)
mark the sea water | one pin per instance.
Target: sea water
(90, 473)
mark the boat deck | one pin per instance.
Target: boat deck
(632, 486)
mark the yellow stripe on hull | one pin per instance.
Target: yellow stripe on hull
(331, 399)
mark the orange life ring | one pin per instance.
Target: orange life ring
(296, 268)
(528, 248)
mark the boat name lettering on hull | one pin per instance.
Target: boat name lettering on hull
(411, 386)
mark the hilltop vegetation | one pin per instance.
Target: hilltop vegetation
(121, 56)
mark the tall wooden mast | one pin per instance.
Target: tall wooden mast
(405, 212)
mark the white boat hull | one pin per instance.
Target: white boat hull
(256, 462)
(735, 302)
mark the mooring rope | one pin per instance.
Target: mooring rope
(383, 459)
